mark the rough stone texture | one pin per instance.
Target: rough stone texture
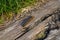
(54, 26)
(47, 16)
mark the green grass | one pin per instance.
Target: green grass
(13, 5)
(7, 6)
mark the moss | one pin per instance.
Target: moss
(1, 20)
(40, 35)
